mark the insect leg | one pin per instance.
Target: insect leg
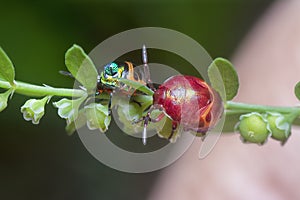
(146, 119)
(146, 68)
(109, 103)
(146, 122)
(145, 62)
(158, 118)
(174, 127)
(66, 73)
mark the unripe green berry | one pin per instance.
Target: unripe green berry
(280, 130)
(253, 128)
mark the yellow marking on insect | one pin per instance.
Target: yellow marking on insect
(109, 80)
(120, 71)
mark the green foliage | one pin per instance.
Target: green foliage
(7, 70)
(81, 67)
(136, 85)
(228, 83)
(297, 90)
(4, 98)
(166, 130)
(230, 122)
(254, 122)
(97, 117)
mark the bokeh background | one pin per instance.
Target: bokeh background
(42, 162)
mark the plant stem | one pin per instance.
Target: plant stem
(40, 91)
(259, 108)
(235, 112)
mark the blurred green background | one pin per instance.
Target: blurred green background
(42, 162)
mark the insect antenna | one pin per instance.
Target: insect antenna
(65, 73)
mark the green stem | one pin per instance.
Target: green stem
(40, 91)
(234, 106)
(292, 116)
(234, 112)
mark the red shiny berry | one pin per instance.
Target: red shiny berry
(189, 101)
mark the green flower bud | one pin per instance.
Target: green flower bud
(128, 113)
(280, 129)
(3, 99)
(79, 122)
(97, 117)
(34, 109)
(253, 128)
(68, 108)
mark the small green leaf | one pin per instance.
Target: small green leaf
(230, 121)
(131, 111)
(7, 70)
(138, 86)
(127, 114)
(166, 130)
(4, 98)
(81, 67)
(223, 78)
(297, 90)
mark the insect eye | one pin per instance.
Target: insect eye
(111, 69)
(114, 69)
(107, 69)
